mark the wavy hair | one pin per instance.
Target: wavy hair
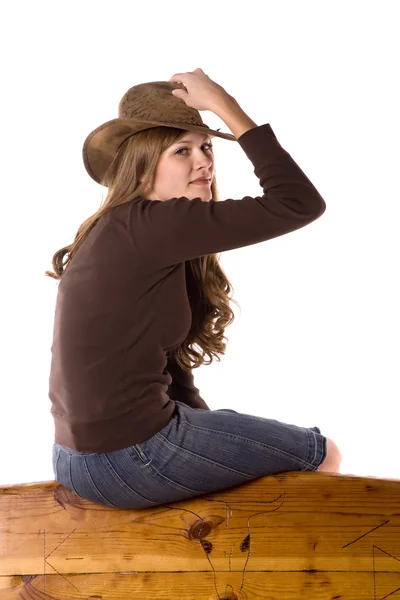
(207, 285)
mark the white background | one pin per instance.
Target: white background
(316, 341)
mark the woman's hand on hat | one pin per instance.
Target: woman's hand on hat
(201, 92)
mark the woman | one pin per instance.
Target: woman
(141, 286)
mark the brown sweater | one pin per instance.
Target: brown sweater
(122, 303)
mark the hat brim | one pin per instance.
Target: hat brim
(102, 144)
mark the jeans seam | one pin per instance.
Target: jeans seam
(94, 485)
(208, 460)
(111, 467)
(252, 442)
(70, 474)
(312, 437)
(56, 462)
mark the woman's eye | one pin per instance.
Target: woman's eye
(180, 150)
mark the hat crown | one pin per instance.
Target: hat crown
(154, 101)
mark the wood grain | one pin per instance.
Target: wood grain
(300, 535)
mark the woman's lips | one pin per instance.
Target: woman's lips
(201, 182)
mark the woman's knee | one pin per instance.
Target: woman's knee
(333, 458)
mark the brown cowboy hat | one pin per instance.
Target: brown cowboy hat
(142, 107)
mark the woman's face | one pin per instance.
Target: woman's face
(180, 165)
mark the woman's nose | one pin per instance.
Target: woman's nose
(201, 160)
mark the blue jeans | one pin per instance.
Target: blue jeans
(197, 452)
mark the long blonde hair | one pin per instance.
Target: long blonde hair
(208, 290)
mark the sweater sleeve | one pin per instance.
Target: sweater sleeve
(166, 233)
(182, 387)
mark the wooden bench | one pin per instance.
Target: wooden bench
(296, 535)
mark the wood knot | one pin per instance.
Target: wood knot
(28, 578)
(200, 530)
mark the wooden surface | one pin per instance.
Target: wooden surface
(312, 536)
